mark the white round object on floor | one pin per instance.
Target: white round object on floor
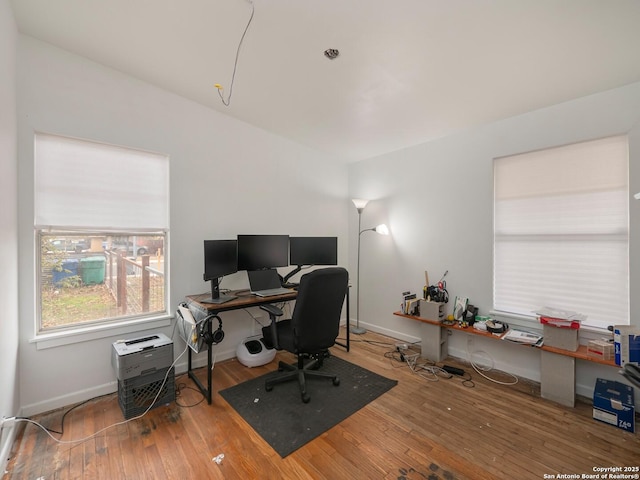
(252, 352)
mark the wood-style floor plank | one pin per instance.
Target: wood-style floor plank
(420, 429)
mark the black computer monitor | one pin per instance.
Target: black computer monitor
(311, 251)
(220, 259)
(258, 252)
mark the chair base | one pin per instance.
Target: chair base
(301, 372)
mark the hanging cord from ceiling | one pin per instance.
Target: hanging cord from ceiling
(227, 102)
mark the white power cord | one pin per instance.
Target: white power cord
(480, 369)
(427, 371)
(82, 440)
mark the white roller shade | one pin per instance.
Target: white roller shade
(561, 231)
(93, 185)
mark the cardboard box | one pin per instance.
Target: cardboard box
(613, 403)
(559, 337)
(600, 349)
(626, 340)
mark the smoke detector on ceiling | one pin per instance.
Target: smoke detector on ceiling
(331, 53)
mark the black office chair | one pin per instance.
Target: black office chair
(312, 329)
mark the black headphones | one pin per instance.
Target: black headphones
(215, 337)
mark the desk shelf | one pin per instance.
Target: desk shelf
(557, 366)
(580, 354)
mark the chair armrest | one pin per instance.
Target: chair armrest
(272, 310)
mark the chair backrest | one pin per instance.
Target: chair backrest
(316, 316)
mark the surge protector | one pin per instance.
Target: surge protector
(453, 370)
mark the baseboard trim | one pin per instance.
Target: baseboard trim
(7, 438)
(388, 332)
(71, 398)
(585, 392)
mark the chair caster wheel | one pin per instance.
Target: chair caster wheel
(268, 388)
(336, 381)
(305, 398)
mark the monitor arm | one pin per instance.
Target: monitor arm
(291, 274)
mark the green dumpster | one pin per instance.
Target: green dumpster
(92, 269)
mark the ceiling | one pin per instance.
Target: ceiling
(408, 71)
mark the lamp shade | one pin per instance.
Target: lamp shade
(382, 229)
(360, 203)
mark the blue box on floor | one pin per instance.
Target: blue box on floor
(613, 403)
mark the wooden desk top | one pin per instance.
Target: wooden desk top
(580, 354)
(245, 300)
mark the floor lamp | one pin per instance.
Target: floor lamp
(382, 230)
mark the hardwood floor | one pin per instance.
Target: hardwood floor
(420, 429)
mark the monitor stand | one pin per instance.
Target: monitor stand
(285, 280)
(216, 298)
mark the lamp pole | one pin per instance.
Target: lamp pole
(382, 230)
(358, 330)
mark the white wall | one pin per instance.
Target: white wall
(224, 175)
(437, 199)
(9, 399)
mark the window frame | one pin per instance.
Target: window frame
(40, 276)
(562, 237)
(47, 337)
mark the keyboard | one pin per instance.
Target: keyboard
(271, 292)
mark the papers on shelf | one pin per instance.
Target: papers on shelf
(560, 322)
(560, 314)
(560, 318)
(525, 338)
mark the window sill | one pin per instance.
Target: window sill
(95, 332)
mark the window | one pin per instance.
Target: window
(561, 231)
(101, 225)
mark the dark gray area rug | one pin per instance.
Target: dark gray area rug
(285, 422)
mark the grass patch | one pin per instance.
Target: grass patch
(65, 305)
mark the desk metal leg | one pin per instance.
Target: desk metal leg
(205, 391)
